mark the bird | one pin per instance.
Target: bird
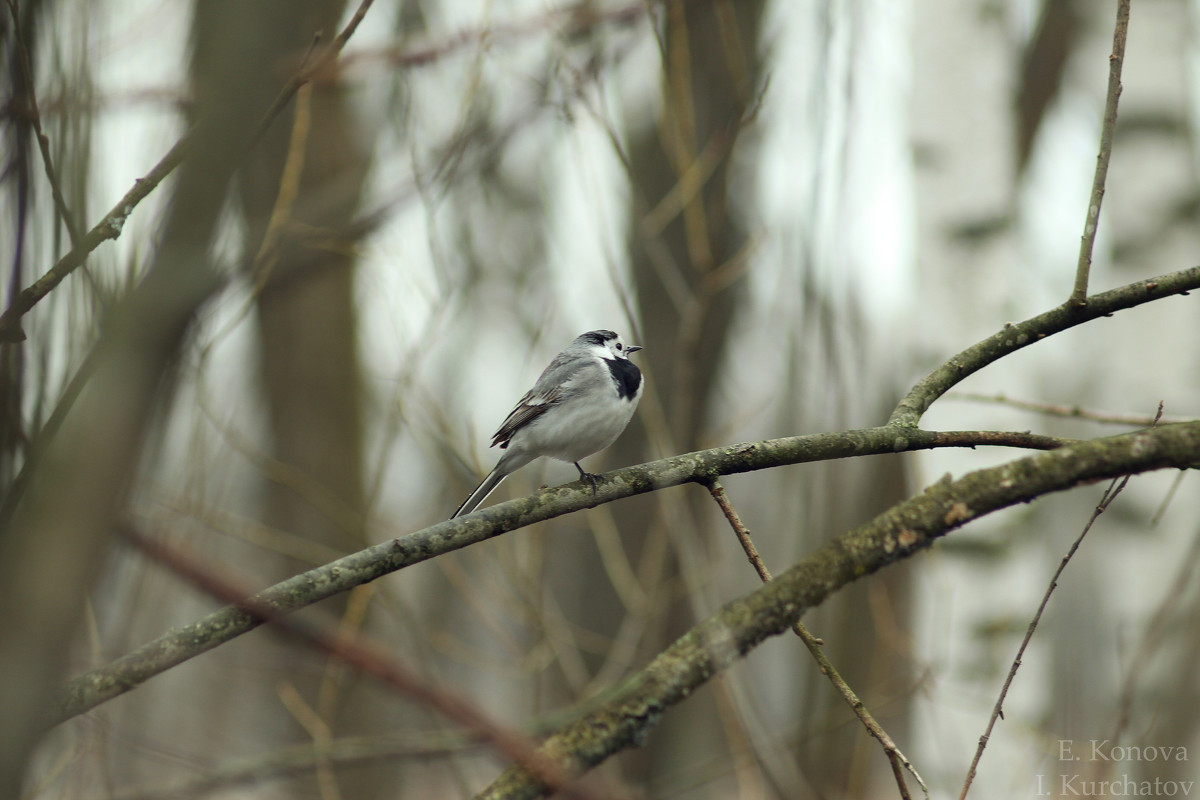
(579, 405)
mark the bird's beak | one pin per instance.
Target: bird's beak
(630, 349)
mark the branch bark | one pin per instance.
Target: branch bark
(900, 435)
(181, 644)
(904, 530)
(1013, 337)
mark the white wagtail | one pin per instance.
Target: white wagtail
(579, 406)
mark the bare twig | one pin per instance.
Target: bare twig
(1059, 410)
(568, 20)
(896, 758)
(1152, 636)
(1088, 240)
(60, 202)
(307, 71)
(318, 729)
(1166, 501)
(289, 189)
(1110, 494)
(109, 227)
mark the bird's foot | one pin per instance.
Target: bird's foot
(588, 476)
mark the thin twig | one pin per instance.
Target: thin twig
(1114, 488)
(60, 202)
(1166, 501)
(307, 72)
(1060, 410)
(289, 189)
(1110, 494)
(1152, 637)
(1088, 240)
(109, 227)
(898, 760)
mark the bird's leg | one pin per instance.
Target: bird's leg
(586, 476)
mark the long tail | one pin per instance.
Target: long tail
(481, 492)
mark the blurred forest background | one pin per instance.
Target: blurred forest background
(302, 338)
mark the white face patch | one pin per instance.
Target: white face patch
(605, 351)
(614, 348)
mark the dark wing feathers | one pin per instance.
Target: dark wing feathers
(545, 393)
(555, 384)
(531, 406)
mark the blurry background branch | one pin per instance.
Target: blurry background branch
(25, 68)
(367, 658)
(62, 527)
(84, 473)
(109, 227)
(112, 223)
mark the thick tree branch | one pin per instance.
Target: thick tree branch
(901, 434)
(627, 718)
(181, 644)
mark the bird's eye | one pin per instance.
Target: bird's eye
(619, 346)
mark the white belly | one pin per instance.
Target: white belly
(575, 429)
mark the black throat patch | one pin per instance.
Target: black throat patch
(625, 375)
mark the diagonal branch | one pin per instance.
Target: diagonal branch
(895, 756)
(1110, 494)
(109, 227)
(1015, 336)
(179, 645)
(625, 719)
